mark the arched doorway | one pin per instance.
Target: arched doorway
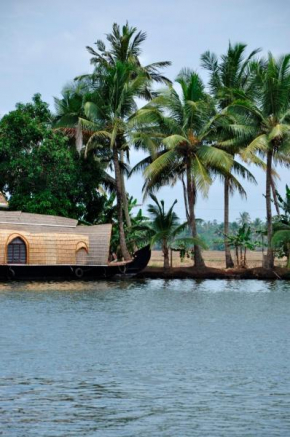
(16, 252)
(81, 257)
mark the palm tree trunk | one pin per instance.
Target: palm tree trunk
(269, 262)
(124, 194)
(191, 196)
(275, 196)
(118, 179)
(185, 198)
(79, 138)
(229, 260)
(237, 256)
(166, 265)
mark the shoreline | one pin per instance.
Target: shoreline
(279, 273)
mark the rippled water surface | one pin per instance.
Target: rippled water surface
(147, 358)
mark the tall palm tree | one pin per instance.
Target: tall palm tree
(125, 47)
(114, 99)
(266, 126)
(118, 79)
(178, 124)
(230, 78)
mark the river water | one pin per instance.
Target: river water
(145, 358)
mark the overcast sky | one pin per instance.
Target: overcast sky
(43, 47)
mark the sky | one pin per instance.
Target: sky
(43, 46)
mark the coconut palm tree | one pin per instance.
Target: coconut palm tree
(230, 78)
(117, 80)
(125, 46)
(244, 218)
(79, 125)
(70, 116)
(266, 127)
(165, 228)
(177, 125)
(114, 99)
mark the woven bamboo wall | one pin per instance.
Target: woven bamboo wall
(45, 249)
(54, 240)
(100, 239)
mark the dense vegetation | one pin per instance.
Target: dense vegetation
(63, 163)
(41, 171)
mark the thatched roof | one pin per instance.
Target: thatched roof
(3, 201)
(26, 218)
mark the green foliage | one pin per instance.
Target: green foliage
(164, 226)
(192, 136)
(183, 140)
(108, 213)
(40, 173)
(230, 78)
(284, 204)
(242, 241)
(265, 119)
(212, 232)
(136, 235)
(281, 228)
(185, 245)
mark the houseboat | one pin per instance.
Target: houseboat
(37, 247)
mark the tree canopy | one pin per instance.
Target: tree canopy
(40, 172)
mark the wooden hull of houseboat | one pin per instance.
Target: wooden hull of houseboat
(25, 272)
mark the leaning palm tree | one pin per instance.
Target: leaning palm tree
(178, 126)
(266, 127)
(230, 78)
